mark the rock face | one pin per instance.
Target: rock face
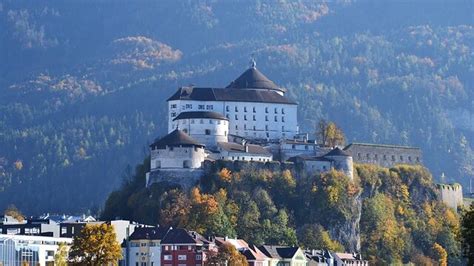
(347, 232)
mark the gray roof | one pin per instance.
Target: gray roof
(235, 147)
(372, 145)
(253, 79)
(229, 95)
(176, 138)
(278, 252)
(199, 114)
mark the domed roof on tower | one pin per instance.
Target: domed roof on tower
(175, 138)
(253, 79)
(337, 152)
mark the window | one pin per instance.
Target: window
(171, 148)
(245, 117)
(167, 257)
(210, 121)
(201, 107)
(266, 127)
(173, 114)
(181, 257)
(143, 244)
(198, 257)
(254, 118)
(276, 119)
(192, 121)
(218, 122)
(245, 109)
(63, 230)
(401, 158)
(293, 146)
(173, 106)
(305, 147)
(254, 110)
(376, 156)
(283, 110)
(236, 127)
(245, 126)
(282, 119)
(282, 128)
(266, 109)
(409, 158)
(201, 121)
(384, 157)
(209, 107)
(189, 106)
(208, 132)
(227, 108)
(266, 118)
(254, 128)
(276, 111)
(236, 109)
(393, 158)
(227, 116)
(368, 156)
(359, 155)
(236, 117)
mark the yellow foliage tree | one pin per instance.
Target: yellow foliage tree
(440, 254)
(225, 175)
(96, 245)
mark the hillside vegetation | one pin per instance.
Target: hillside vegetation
(391, 215)
(83, 86)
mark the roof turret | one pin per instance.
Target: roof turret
(253, 79)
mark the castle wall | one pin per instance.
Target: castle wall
(384, 155)
(187, 178)
(451, 194)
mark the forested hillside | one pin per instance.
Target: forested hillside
(391, 215)
(83, 85)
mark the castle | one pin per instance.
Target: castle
(250, 120)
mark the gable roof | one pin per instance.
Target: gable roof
(199, 114)
(235, 147)
(253, 79)
(176, 138)
(181, 236)
(337, 152)
(229, 95)
(150, 233)
(279, 252)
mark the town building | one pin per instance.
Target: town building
(143, 247)
(182, 248)
(280, 255)
(30, 250)
(343, 259)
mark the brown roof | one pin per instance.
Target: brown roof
(253, 79)
(175, 138)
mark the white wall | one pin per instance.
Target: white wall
(250, 124)
(174, 157)
(196, 128)
(242, 156)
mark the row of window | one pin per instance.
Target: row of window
(254, 110)
(201, 121)
(181, 257)
(243, 158)
(275, 118)
(152, 244)
(393, 157)
(255, 128)
(190, 106)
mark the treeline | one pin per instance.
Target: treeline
(401, 219)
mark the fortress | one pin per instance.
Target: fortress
(250, 121)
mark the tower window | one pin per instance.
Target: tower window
(266, 127)
(254, 110)
(276, 110)
(266, 109)
(254, 119)
(282, 119)
(236, 127)
(227, 108)
(283, 110)
(245, 117)
(245, 109)
(236, 117)
(236, 109)
(276, 119)
(208, 132)
(266, 118)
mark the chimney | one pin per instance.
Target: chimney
(246, 147)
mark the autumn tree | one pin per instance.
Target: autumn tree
(61, 256)
(96, 245)
(313, 236)
(467, 233)
(174, 209)
(227, 255)
(329, 134)
(14, 212)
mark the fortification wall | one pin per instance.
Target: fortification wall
(187, 178)
(384, 155)
(235, 166)
(451, 194)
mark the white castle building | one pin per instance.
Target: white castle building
(249, 120)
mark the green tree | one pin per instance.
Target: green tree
(96, 245)
(313, 236)
(467, 234)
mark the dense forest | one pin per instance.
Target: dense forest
(392, 215)
(83, 85)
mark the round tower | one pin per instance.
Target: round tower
(207, 128)
(342, 161)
